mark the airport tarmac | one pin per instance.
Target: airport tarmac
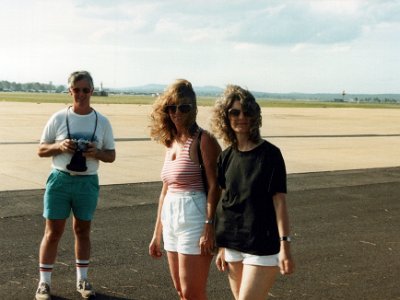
(311, 140)
(343, 196)
(345, 227)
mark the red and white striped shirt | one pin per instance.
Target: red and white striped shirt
(182, 174)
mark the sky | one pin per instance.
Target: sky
(277, 46)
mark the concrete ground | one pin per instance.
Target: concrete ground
(344, 175)
(311, 140)
(345, 226)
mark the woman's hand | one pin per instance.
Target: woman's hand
(220, 262)
(207, 240)
(286, 263)
(155, 248)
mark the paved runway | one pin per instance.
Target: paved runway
(344, 187)
(311, 140)
(345, 226)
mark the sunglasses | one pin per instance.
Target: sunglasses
(183, 108)
(84, 90)
(234, 112)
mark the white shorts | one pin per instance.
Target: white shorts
(182, 217)
(250, 259)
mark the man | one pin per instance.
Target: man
(76, 138)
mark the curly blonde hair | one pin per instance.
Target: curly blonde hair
(162, 129)
(220, 124)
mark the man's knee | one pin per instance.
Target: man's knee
(53, 235)
(82, 230)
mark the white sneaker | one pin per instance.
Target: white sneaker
(85, 289)
(43, 292)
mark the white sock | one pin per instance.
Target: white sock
(45, 273)
(82, 267)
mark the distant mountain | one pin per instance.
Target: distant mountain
(209, 90)
(147, 88)
(330, 97)
(215, 91)
(159, 88)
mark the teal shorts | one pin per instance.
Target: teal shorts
(65, 192)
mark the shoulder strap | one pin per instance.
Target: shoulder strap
(200, 157)
(199, 149)
(95, 125)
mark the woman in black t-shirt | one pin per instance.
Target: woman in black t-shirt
(252, 226)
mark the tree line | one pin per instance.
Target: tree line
(37, 87)
(7, 86)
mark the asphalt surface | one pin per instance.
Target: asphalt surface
(345, 226)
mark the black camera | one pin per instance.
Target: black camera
(78, 161)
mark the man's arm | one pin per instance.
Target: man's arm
(107, 156)
(47, 150)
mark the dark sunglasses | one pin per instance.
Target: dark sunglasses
(234, 112)
(183, 108)
(84, 90)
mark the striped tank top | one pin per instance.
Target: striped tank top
(182, 174)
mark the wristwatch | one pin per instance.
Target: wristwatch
(209, 221)
(285, 238)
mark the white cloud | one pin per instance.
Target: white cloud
(338, 7)
(288, 45)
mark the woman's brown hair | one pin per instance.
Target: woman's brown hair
(220, 124)
(162, 129)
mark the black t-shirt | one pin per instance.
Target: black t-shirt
(245, 217)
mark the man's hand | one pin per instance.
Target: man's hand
(67, 145)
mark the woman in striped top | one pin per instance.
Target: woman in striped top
(186, 210)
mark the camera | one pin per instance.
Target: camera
(78, 161)
(81, 144)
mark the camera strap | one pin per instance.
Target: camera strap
(95, 125)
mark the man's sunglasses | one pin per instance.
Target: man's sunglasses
(183, 108)
(234, 112)
(84, 90)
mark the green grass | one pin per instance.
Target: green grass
(66, 98)
(202, 101)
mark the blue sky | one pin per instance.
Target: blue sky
(306, 46)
